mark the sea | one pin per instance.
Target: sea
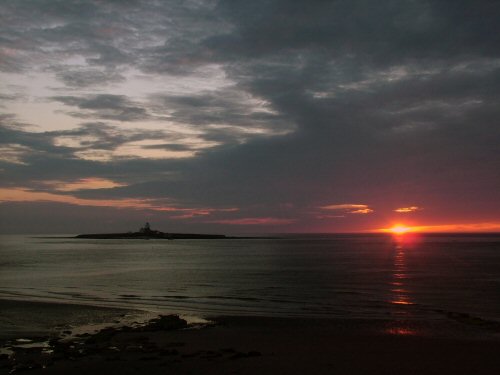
(421, 277)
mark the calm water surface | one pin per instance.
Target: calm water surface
(329, 276)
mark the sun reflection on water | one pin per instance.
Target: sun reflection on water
(400, 294)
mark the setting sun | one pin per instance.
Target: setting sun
(400, 229)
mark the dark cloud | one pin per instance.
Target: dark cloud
(389, 104)
(8, 97)
(169, 147)
(105, 106)
(83, 78)
(227, 115)
(387, 32)
(113, 34)
(55, 155)
(101, 136)
(14, 132)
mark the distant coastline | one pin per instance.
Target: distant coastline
(146, 233)
(144, 236)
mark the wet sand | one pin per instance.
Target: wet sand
(261, 345)
(33, 319)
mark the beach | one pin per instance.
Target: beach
(247, 345)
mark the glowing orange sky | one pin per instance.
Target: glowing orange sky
(179, 213)
(24, 195)
(20, 194)
(462, 227)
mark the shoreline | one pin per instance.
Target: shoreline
(33, 318)
(247, 345)
(52, 317)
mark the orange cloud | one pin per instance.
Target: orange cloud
(254, 221)
(83, 183)
(349, 208)
(362, 211)
(407, 209)
(25, 195)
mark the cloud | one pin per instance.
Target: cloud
(24, 195)
(79, 78)
(362, 211)
(254, 221)
(105, 107)
(349, 208)
(82, 184)
(226, 115)
(103, 142)
(345, 206)
(168, 147)
(9, 97)
(20, 146)
(407, 209)
(13, 153)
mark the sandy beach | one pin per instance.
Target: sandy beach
(248, 345)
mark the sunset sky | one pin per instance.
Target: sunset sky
(249, 116)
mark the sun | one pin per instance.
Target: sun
(400, 229)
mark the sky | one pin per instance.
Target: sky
(264, 116)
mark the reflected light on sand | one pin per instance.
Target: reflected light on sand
(399, 290)
(401, 302)
(399, 276)
(400, 331)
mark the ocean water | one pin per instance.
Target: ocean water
(333, 276)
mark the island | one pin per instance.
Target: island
(147, 233)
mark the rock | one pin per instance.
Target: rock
(252, 353)
(103, 336)
(238, 355)
(165, 323)
(167, 352)
(149, 358)
(191, 355)
(174, 344)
